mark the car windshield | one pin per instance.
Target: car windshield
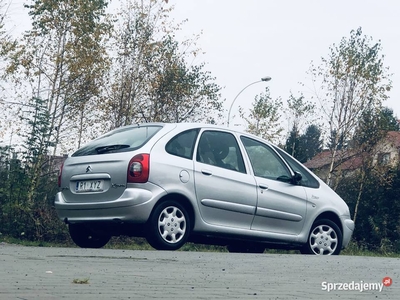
(119, 140)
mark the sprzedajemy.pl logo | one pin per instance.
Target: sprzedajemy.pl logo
(360, 286)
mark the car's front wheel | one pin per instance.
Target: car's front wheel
(169, 226)
(84, 237)
(325, 238)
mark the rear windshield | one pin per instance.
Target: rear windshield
(119, 140)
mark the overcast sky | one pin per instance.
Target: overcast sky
(245, 40)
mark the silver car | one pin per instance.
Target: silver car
(174, 183)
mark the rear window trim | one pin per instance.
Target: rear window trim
(89, 152)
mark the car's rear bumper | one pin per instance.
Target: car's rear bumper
(134, 205)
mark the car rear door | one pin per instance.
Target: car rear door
(281, 205)
(225, 193)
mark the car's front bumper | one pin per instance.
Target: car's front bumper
(348, 229)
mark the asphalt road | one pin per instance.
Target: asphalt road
(49, 273)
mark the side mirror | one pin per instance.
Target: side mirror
(297, 177)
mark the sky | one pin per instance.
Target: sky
(245, 40)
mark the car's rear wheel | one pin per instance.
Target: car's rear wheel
(169, 226)
(84, 237)
(325, 238)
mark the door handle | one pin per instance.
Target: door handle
(263, 187)
(206, 172)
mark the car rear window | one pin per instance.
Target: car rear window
(119, 140)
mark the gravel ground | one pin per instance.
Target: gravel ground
(73, 273)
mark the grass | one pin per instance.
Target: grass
(24, 242)
(128, 243)
(80, 281)
(355, 249)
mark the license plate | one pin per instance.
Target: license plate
(89, 186)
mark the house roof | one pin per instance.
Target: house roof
(348, 159)
(394, 138)
(320, 159)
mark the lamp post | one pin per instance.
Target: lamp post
(267, 78)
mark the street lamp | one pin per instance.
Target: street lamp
(267, 78)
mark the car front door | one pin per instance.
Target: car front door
(281, 206)
(226, 194)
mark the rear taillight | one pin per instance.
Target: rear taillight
(60, 174)
(138, 169)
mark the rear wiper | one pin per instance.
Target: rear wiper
(110, 148)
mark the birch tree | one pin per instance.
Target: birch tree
(6, 45)
(353, 79)
(61, 59)
(264, 117)
(372, 129)
(155, 77)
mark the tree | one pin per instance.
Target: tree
(365, 140)
(293, 142)
(264, 117)
(180, 92)
(387, 120)
(299, 114)
(56, 70)
(310, 143)
(6, 45)
(371, 130)
(151, 79)
(353, 79)
(306, 145)
(376, 229)
(36, 143)
(336, 142)
(62, 59)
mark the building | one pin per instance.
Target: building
(386, 154)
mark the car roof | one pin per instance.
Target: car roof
(192, 125)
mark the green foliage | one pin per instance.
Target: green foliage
(336, 142)
(264, 117)
(299, 114)
(179, 92)
(153, 77)
(292, 145)
(305, 146)
(310, 143)
(28, 181)
(353, 79)
(377, 226)
(62, 55)
(24, 216)
(387, 121)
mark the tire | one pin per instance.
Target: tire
(325, 238)
(84, 237)
(169, 226)
(234, 248)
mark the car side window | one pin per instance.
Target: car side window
(183, 144)
(265, 162)
(307, 179)
(220, 149)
